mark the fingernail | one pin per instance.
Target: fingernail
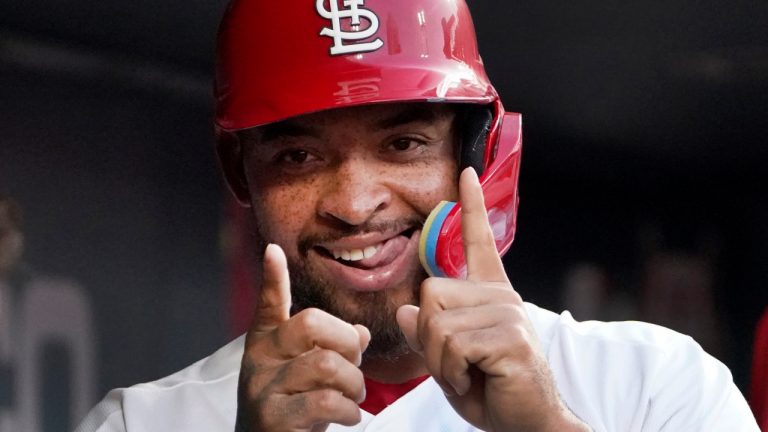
(472, 173)
(271, 248)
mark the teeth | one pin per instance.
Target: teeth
(355, 254)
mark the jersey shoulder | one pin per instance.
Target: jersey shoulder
(638, 376)
(198, 398)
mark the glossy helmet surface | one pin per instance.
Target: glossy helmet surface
(280, 59)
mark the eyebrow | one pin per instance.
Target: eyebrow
(285, 128)
(289, 128)
(411, 114)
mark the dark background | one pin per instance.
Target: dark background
(645, 135)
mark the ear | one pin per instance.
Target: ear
(231, 157)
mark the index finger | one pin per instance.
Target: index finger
(274, 299)
(483, 260)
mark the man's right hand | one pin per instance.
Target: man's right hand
(298, 373)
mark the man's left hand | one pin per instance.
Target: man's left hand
(477, 341)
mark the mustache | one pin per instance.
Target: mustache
(396, 226)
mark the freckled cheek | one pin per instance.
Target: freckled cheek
(426, 187)
(281, 212)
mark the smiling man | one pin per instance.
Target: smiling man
(354, 132)
(358, 184)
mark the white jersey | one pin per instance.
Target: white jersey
(623, 376)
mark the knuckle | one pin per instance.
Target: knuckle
(326, 363)
(453, 345)
(429, 286)
(432, 290)
(326, 400)
(433, 326)
(309, 320)
(257, 341)
(511, 306)
(482, 239)
(251, 379)
(513, 296)
(472, 242)
(522, 339)
(250, 389)
(248, 372)
(359, 385)
(277, 336)
(510, 310)
(517, 331)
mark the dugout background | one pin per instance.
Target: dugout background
(644, 148)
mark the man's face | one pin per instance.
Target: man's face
(345, 193)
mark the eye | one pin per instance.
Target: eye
(406, 144)
(294, 157)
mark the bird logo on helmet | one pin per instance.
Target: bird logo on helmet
(277, 60)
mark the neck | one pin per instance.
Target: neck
(394, 371)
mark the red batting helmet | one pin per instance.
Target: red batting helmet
(280, 59)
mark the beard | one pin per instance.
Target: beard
(375, 310)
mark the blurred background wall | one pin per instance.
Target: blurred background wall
(643, 181)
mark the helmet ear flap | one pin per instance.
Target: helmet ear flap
(231, 156)
(441, 249)
(475, 123)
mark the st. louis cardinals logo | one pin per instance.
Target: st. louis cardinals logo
(354, 12)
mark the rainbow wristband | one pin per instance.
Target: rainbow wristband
(429, 236)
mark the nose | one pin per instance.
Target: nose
(354, 194)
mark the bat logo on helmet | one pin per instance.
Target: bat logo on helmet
(352, 33)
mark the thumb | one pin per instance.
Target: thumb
(407, 318)
(274, 298)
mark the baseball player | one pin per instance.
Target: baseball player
(380, 168)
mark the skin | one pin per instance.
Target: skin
(304, 370)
